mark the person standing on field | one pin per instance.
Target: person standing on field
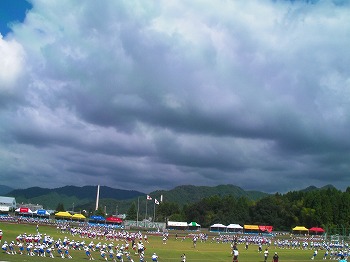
(266, 254)
(275, 257)
(235, 255)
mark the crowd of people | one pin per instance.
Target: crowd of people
(113, 244)
(93, 241)
(43, 245)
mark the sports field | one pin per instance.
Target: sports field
(171, 251)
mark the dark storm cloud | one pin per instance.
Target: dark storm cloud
(148, 96)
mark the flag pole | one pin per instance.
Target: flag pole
(146, 212)
(154, 212)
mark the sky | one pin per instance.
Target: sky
(150, 95)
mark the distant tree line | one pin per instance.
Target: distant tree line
(328, 208)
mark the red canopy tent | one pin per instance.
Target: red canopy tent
(24, 210)
(266, 228)
(316, 230)
(115, 220)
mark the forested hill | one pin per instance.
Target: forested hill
(5, 189)
(88, 192)
(84, 197)
(70, 195)
(325, 207)
(190, 194)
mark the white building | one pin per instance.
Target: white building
(7, 203)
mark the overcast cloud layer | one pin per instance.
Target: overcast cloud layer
(149, 95)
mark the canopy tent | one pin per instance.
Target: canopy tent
(97, 218)
(41, 212)
(193, 226)
(115, 220)
(251, 227)
(24, 210)
(266, 228)
(63, 214)
(177, 225)
(78, 216)
(300, 228)
(218, 228)
(316, 230)
(234, 228)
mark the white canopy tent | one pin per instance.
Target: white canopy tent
(218, 228)
(234, 228)
(177, 225)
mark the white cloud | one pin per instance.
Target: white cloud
(12, 62)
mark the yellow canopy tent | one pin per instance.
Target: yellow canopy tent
(78, 216)
(63, 214)
(251, 227)
(300, 228)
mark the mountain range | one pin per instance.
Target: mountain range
(5, 190)
(73, 197)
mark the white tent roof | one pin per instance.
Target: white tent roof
(194, 224)
(235, 226)
(218, 225)
(177, 224)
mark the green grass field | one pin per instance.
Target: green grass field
(171, 251)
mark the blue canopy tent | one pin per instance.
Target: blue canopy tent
(41, 213)
(97, 219)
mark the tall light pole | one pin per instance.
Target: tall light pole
(97, 196)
